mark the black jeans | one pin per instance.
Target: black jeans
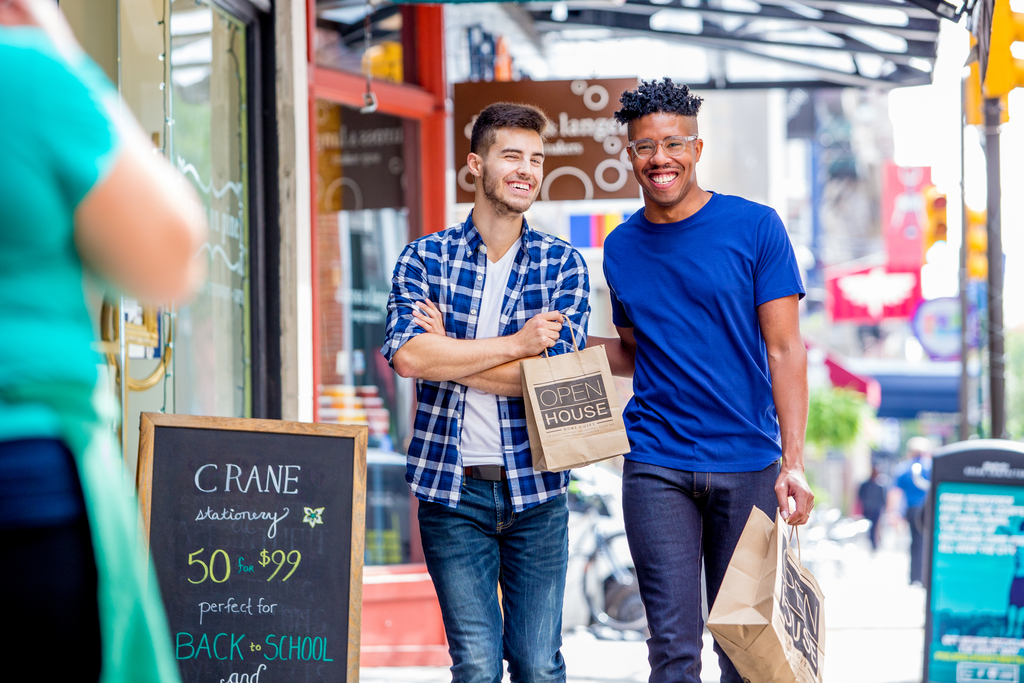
(48, 574)
(674, 520)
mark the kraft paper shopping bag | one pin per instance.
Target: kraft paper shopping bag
(572, 411)
(769, 613)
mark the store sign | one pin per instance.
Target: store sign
(256, 530)
(936, 325)
(903, 214)
(360, 160)
(585, 149)
(872, 294)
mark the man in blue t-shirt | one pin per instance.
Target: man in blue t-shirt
(913, 478)
(705, 291)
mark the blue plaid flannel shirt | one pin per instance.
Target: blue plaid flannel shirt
(449, 269)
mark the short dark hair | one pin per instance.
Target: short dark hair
(504, 115)
(652, 97)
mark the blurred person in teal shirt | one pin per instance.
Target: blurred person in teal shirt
(82, 195)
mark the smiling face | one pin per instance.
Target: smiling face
(669, 183)
(510, 171)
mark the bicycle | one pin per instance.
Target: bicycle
(610, 587)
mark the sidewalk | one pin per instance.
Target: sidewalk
(874, 631)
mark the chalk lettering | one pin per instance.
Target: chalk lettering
(200, 471)
(230, 515)
(245, 678)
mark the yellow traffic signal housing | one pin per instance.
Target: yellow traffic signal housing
(977, 245)
(935, 208)
(1004, 72)
(974, 101)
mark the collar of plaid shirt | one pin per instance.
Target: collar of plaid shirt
(449, 268)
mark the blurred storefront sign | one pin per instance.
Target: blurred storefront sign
(903, 214)
(872, 293)
(585, 151)
(936, 325)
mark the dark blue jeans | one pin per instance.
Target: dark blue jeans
(481, 544)
(674, 519)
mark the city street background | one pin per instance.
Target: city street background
(874, 628)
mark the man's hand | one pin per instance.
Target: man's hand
(539, 333)
(793, 484)
(428, 316)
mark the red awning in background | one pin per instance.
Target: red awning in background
(843, 378)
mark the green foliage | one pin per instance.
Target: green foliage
(835, 418)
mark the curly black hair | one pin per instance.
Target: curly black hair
(654, 96)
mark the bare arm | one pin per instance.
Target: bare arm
(621, 351)
(503, 380)
(142, 225)
(787, 363)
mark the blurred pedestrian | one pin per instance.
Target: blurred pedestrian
(913, 480)
(466, 306)
(82, 194)
(705, 290)
(872, 497)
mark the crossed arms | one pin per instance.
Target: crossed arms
(489, 365)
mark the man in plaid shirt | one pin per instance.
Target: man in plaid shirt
(466, 306)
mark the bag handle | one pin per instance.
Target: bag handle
(572, 334)
(793, 529)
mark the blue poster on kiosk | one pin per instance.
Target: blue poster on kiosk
(975, 622)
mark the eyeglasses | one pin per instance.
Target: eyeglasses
(674, 146)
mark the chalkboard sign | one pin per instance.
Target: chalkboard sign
(256, 530)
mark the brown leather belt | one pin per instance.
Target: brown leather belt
(486, 472)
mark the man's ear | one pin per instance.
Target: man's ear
(698, 147)
(475, 162)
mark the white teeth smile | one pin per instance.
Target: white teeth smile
(663, 178)
(520, 186)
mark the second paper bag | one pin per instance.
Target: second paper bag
(572, 411)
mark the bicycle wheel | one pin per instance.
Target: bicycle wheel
(610, 586)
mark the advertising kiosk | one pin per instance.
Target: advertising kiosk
(975, 523)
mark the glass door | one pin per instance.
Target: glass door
(209, 145)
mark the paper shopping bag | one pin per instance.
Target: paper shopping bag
(572, 410)
(769, 614)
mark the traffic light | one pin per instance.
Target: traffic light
(974, 100)
(977, 245)
(935, 208)
(1004, 72)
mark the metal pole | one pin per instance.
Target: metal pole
(997, 381)
(965, 308)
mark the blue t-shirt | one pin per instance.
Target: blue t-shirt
(915, 489)
(702, 389)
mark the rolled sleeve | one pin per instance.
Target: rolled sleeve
(408, 285)
(572, 298)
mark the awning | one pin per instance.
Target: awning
(912, 388)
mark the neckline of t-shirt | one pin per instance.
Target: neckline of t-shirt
(508, 255)
(678, 225)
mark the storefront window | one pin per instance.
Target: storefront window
(363, 224)
(209, 145)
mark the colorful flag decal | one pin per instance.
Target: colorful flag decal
(590, 230)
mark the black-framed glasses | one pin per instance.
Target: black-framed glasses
(674, 146)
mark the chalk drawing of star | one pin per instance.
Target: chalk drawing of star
(314, 516)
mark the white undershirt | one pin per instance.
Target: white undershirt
(481, 430)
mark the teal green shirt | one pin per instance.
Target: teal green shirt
(57, 140)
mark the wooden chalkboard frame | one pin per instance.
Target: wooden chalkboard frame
(144, 486)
